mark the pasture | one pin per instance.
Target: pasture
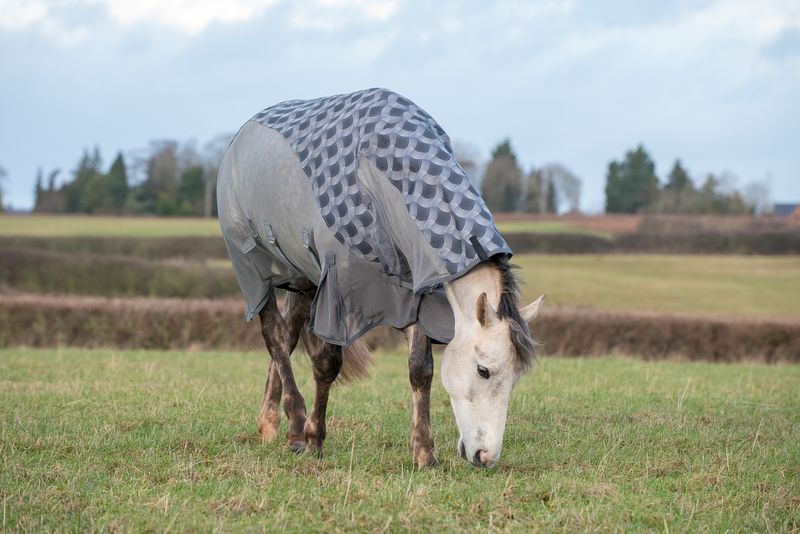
(109, 226)
(133, 440)
(106, 226)
(754, 286)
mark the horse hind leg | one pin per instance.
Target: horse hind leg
(296, 311)
(269, 419)
(420, 374)
(281, 333)
(327, 362)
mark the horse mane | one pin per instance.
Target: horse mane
(521, 337)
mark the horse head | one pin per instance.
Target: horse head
(491, 349)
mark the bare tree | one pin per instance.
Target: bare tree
(188, 156)
(3, 175)
(567, 186)
(213, 152)
(757, 196)
(469, 157)
(162, 167)
(533, 197)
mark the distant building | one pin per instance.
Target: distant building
(785, 210)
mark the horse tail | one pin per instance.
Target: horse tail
(356, 359)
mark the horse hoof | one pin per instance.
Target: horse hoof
(314, 449)
(425, 459)
(268, 426)
(297, 446)
(267, 432)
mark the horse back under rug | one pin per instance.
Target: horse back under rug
(360, 196)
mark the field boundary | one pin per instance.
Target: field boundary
(160, 323)
(767, 242)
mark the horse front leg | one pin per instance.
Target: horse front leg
(276, 333)
(420, 374)
(296, 311)
(327, 362)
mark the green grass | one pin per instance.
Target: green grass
(753, 286)
(547, 227)
(103, 226)
(85, 225)
(102, 440)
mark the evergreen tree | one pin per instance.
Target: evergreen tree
(51, 180)
(3, 175)
(38, 191)
(678, 194)
(502, 184)
(158, 193)
(504, 148)
(631, 185)
(191, 191)
(501, 187)
(75, 192)
(117, 178)
(678, 179)
(552, 198)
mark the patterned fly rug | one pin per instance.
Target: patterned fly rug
(359, 196)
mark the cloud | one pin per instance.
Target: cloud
(18, 15)
(334, 14)
(23, 15)
(188, 16)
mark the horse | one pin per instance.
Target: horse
(355, 205)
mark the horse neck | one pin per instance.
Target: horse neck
(463, 293)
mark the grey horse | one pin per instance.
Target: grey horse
(355, 205)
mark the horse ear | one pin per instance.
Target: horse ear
(530, 311)
(486, 315)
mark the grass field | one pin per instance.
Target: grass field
(101, 226)
(754, 286)
(723, 285)
(103, 440)
(548, 227)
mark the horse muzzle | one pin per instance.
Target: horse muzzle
(480, 458)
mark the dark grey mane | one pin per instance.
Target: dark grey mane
(509, 309)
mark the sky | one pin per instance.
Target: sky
(579, 82)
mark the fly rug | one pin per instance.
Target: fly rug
(356, 206)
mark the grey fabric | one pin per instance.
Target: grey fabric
(376, 244)
(330, 134)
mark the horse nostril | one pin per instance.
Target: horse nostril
(480, 458)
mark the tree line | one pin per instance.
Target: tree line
(167, 178)
(547, 189)
(172, 179)
(632, 186)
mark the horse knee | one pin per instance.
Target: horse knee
(327, 364)
(420, 372)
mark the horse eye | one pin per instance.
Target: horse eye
(483, 372)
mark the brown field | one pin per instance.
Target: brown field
(150, 323)
(617, 224)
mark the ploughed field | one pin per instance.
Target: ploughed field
(132, 440)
